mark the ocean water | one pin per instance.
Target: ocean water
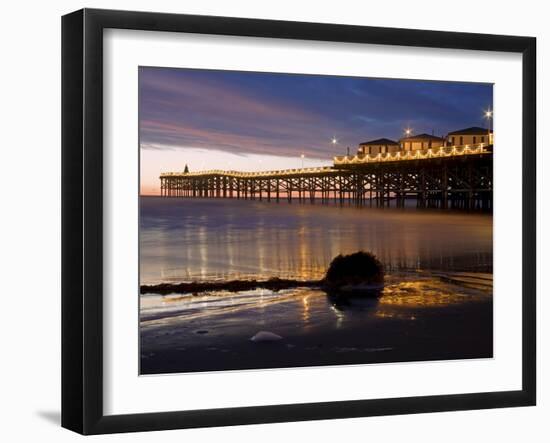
(217, 239)
(436, 303)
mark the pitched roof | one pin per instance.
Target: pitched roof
(421, 137)
(474, 130)
(379, 141)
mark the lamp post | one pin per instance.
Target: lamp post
(408, 132)
(488, 115)
(334, 142)
(302, 156)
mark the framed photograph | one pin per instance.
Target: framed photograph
(269, 221)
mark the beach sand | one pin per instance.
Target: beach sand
(417, 318)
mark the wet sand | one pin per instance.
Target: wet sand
(417, 318)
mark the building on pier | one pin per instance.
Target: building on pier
(421, 141)
(378, 146)
(470, 137)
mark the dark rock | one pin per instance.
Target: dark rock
(360, 271)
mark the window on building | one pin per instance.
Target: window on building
(452, 140)
(474, 140)
(461, 141)
(482, 139)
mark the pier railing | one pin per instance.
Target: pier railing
(255, 174)
(419, 154)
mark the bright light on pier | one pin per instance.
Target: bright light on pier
(420, 154)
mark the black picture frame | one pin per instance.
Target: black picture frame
(82, 218)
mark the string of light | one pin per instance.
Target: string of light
(420, 154)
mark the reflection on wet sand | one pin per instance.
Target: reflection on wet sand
(304, 307)
(429, 292)
(323, 327)
(399, 289)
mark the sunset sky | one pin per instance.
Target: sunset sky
(259, 121)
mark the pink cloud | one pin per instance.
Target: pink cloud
(225, 140)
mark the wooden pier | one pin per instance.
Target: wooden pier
(445, 178)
